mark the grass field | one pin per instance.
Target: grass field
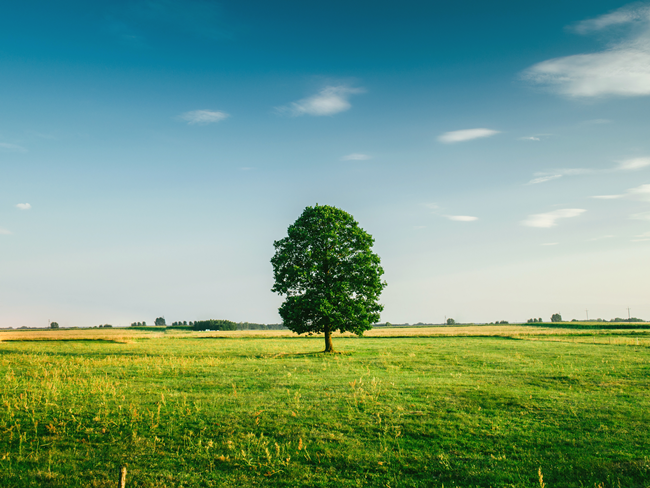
(488, 406)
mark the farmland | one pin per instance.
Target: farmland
(476, 406)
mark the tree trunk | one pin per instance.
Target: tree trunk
(328, 340)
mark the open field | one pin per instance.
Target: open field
(483, 406)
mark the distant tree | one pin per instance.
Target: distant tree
(451, 321)
(159, 321)
(184, 322)
(556, 317)
(329, 274)
(54, 325)
(540, 319)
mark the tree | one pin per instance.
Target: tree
(159, 321)
(329, 274)
(450, 321)
(54, 325)
(556, 317)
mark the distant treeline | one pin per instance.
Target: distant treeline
(229, 325)
(215, 324)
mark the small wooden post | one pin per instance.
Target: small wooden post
(122, 477)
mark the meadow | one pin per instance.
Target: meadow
(481, 406)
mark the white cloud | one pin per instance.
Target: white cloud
(355, 157)
(12, 147)
(465, 135)
(624, 15)
(543, 179)
(203, 117)
(530, 138)
(329, 101)
(608, 197)
(462, 218)
(549, 219)
(632, 164)
(638, 193)
(600, 238)
(5, 232)
(432, 206)
(23, 206)
(641, 216)
(642, 237)
(625, 165)
(622, 69)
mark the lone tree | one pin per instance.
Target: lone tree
(160, 321)
(54, 325)
(556, 317)
(329, 274)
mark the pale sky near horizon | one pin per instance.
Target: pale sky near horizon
(151, 151)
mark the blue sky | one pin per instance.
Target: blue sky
(151, 152)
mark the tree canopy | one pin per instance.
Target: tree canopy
(329, 274)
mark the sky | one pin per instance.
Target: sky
(151, 151)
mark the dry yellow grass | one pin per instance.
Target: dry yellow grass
(129, 335)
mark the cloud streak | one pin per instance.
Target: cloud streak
(204, 117)
(633, 164)
(623, 69)
(5, 232)
(549, 219)
(12, 147)
(330, 100)
(465, 135)
(462, 218)
(638, 193)
(23, 206)
(356, 157)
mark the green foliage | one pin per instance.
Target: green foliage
(160, 321)
(54, 325)
(556, 317)
(471, 412)
(329, 274)
(450, 321)
(214, 325)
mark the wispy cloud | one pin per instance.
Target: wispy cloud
(12, 147)
(462, 218)
(622, 69)
(530, 138)
(203, 117)
(329, 101)
(549, 219)
(638, 193)
(640, 216)
(624, 165)
(633, 164)
(432, 206)
(599, 238)
(642, 237)
(355, 157)
(5, 232)
(465, 135)
(23, 206)
(543, 179)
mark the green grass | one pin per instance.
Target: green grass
(398, 412)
